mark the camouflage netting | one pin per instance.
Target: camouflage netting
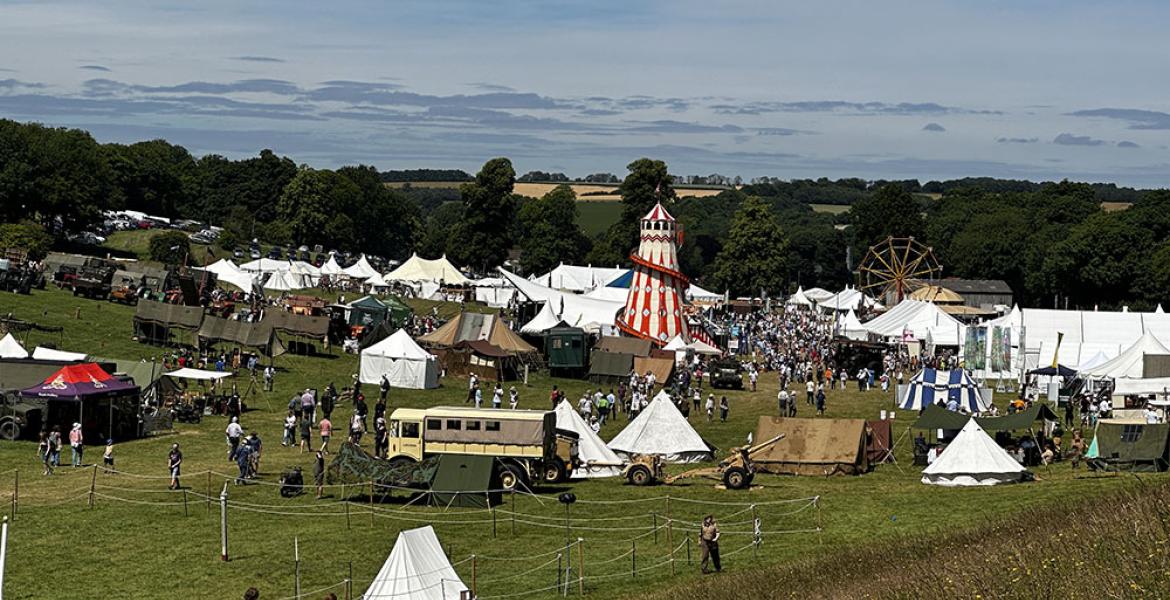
(352, 465)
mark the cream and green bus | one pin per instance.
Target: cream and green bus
(526, 443)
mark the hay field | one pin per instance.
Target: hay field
(603, 192)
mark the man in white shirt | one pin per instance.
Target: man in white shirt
(1106, 409)
(1151, 415)
(811, 388)
(234, 432)
(585, 407)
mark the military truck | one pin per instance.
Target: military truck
(726, 374)
(19, 416)
(527, 445)
(93, 282)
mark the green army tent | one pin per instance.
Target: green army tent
(812, 446)
(937, 417)
(1131, 447)
(609, 368)
(466, 481)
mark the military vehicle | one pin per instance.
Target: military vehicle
(19, 416)
(725, 374)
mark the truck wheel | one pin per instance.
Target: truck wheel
(554, 472)
(511, 477)
(9, 430)
(735, 478)
(640, 475)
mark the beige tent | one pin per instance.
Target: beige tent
(470, 327)
(812, 446)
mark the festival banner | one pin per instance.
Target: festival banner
(975, 350)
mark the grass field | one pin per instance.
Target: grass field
(133, 241)
(598, 192)
(596, 217)
(833, 209)
(141, 541)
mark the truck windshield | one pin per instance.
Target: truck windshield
(409, 429)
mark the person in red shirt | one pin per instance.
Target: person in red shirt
(326, 431)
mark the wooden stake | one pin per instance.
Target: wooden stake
(347, 514)
(349, 583)
(513, 511)
(371, 502)
(633, 558)
(473, 576)
(16, 495)
(92, 485)
(654, 522)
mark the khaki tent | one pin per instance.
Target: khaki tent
(294, 324)
(812, 446)
(251, 335)
(661, 367)
(486, 361)
(609, 367)
(1131, 447)
(624, 345)
(154, 321)
(474, 327)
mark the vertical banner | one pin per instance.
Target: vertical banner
(1006, 349)
(969, 349)
(975, 351)
(998, 363)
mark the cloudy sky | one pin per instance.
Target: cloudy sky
(930, 90)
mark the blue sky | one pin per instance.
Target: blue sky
(932, 90)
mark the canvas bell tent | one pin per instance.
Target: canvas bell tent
(661, 429)
(971, 459)
(597, 459)
(417, 569)
(403, 362)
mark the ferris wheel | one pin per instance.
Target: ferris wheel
(894, 267)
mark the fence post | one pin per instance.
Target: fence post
(580, 566)
(296, 568)
(633, 558)
(560, 568)
(371, 502)
(474, 573)
(346, 513)
(209, 491)
(223, 524)
(92, 485)
(349, 583)
(16, 495)
(669, 525)
(513, 511)
(688, 550)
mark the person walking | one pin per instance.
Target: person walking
(45, 454)
(55, 446)
(360, 409)
(498, 396)
(381, 438)
(328, 400)
(477, 395)
(108, 456)
(811, 389)
(709, 545)
(513, 398)
(326, 431)
(234, 433)
(820, 402)
(290, 430)
(710, 407)
(175, 464)
(309, 405)
(269, 377)
(306, 435)
(782, 401)
(753, 375)
(319, 471)
(724, 408)
(383, 389)
(356, 429)
(76, 445)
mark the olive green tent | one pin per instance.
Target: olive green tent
(937, 417)
(250, 335)
(369, 311)
(609, 367)
(466, 481)
(1131, 447)
(154, 321)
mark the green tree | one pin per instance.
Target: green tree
(891, 211)
(170, 247)
(483, 236)
(754, 255)
(316, 207)
(154, 177)
(647, 184)
(549, 233)
(437, 231)
(1101, 262)
(386, 222)
(27, 236)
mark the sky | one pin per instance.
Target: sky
(1042, 90)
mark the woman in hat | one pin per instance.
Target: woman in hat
(76, 445)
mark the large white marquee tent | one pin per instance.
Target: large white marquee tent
(919, 320)
(404, 363)
(591, 314)
(417, 269)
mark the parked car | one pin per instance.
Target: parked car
(275, 253)
(255, 253)
(237, 253)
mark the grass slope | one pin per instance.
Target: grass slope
(140, 542)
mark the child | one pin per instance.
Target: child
(108, 455)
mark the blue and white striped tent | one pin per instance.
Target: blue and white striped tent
(931, 385)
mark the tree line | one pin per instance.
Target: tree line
(1052, 242)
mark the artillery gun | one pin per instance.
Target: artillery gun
(737, 471)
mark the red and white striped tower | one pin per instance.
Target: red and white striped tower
(654, 306)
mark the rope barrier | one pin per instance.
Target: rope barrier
(309, 593)
(520, 574)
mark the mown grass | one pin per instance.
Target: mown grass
(125, 547)
(596, 217)
(133, 241)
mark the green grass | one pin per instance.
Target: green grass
(134, 549)
(596, 217)
(833, 209)
(133, 241)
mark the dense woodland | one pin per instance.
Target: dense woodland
(1052, 242)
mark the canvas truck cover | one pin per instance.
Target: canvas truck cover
(1132, 446)
(812, 446)
(512, 432)
(171, 316)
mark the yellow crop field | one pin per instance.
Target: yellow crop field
(593, 192)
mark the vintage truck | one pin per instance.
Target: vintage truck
(526, 443)
(19, 416)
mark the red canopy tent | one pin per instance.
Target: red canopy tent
(85, 384)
